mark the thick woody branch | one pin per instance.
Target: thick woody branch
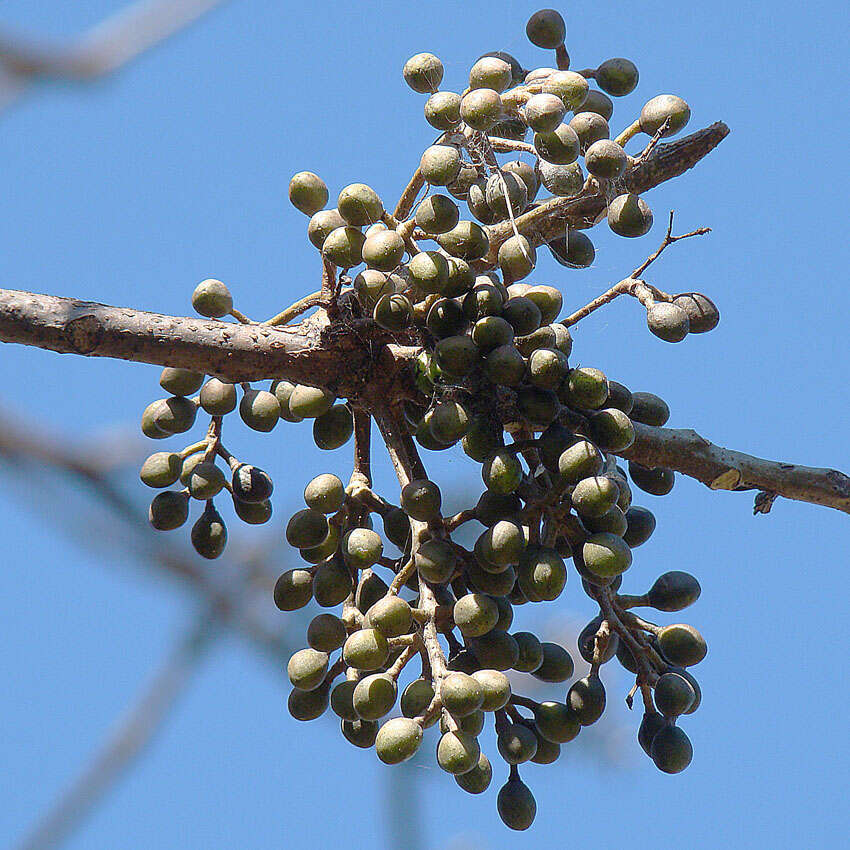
(724, 469)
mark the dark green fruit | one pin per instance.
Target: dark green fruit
(209, 533)
(569, 86)
(667, 321)
(649, 409)
(618, 77)
(217, 397)
(484, 581)
(423, 72)
(440, 164)
(173, 415)
(589, 127)
(640, 523)
(561, 180)
(308, 705)
(370, 286)
(599, 103)
(505, 366)
(416, 698)
(620, 397)
(539, 407)
(556, 722)
(374, 696)
(685, 674)
(307, 668)
(517, 743)
(481, 108)
(613, 521)
(475, 614)
(366, 650)
(442, 110)
(595, 496)
(629, 215)
(682, 645)
(322, 224)
(492, 332)
(391, 615)
(502, 188)
(308, 192)
(501, 545)
(557, 664)
(250, 484)
(168, 510)
(517, 258)
(576, 251)
(393, 312)
(650, 725)
(383, 251)
(361, 547)
(322, 551)
(526, 173)
(606, 160)
(490, 72)
(482, 438)
(445, 318)
(673, 591)
(656, 482)
(259, 410)
(205, 481)
(325, 493)
(671, 749)
(461, 694)
(502, 472)
(370, 589)
(541, 574)
(476, 780)
(579, 461)
(306, 528)
(586, 389)
(495, 689)
(457, 355)
(293, 590)
(333, 428)
(673, 694)
(436, 561)
(398, 740)
(397, 527)
(437, 214)
(547, 368)
(361, 733)
(606, 555)
(530, 652)
(466, 240)
(421, 500)
(496, 650)
(546, 29)
(586, 698)
(161, 469)
(457, 752)
(560, 146)
(212, 299)
(611, 430)
(331, 583)
(181, 382)
(461, 278)
(548, 300)
(516, 804)
(449, 422)
(491, 507)
(656, 111)
(344, 247)
(703, 316)
(547, 752)
(326, 633)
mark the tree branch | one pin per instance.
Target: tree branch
(724, 469)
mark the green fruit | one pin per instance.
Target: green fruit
(673, 694)
(326, 633)
(546, 29)
(342, 704)
(667, 321)
(217, 397)
(505, 366)
(173, 415)
(517, 743)
(547, 368)
(656, 111)
(333, 428)
(361, 547)
(599, 103)
(324, 550)
(475, 614)
(461, 694)
(374, 696)
(307, 669)
(359, 204)
(530, 652)
(606, 555)
(589, 127)
(620, 397)
(549, 301)
(212, 299)
(586, 389)
(460, 278)
(516, 804)
(586, 699)
(325, 493)
(168, 510)
(629, 215)
(673, 591)
(322, 224)
(682, 645)
(457, 355)
(442, 110)
(496, 584)
(344, 247)
(308, 705)
(606, 160)
(496, 650)
(310, 402)
(526, 173)
(251, 484)
(570, 87)
(495, 689)
(502, 472)
(541, 574)
(671, 749)
(445, 318)
(467, 175)
(561, 180)
(181, 382)
(618, 77)
(481, 108)
(547, 752)
(398, 740)
(440, 164)
(492, 332)
(366, 650)
(437, 214)
(556, 722)
(393, 312)
(502, 188)
(449, 421)
(685, 674)
(501, 545)
(612, 430)
(259, 410)
(640, 523)
(457, 752)
(206, 481)
(436, 561)
(481, 439)
(560, 146)
(650, 725)
(576, 251)
(477, 780)
(466, 240)
(421, 500)
(492, 506)
(383, 251)
(523, 314)
(331, 583)
(656, 482)
(308, 192)
(579, 461)
(416, 698)
(370, 589)
(361, 733)
(552, 443)
(703, 315)
(397, 527)
(423, 72)
(161, 469)
(544, 112)
(391, 615)
(557, 664)
(293, 590)
(209, 533)
(490, 72)
(306, 528)
(613, 521)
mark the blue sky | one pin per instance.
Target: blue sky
(134, 189)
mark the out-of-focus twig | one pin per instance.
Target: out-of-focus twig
(99, 51)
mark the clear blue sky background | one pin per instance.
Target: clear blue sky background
(134, 189)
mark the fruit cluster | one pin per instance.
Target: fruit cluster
(489, 370)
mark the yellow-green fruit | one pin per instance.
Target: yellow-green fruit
(590, 127)
(477, 780)
(344, 247)
(374, 696)
(212, 299)
(442, 110)
(308, 192)
(656, 111)
(489, 72)
(383, 251)
(423, 72)
(606, 555)
(398, 740)
(307, 668)
(457, 752)
(481, 108)
(161, 469)
(569, 86)
(682, 644)
(366, 650)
